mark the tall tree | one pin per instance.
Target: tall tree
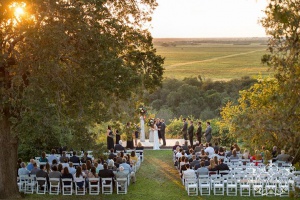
(271, 109)
(64, 64)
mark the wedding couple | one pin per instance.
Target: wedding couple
(155, 128)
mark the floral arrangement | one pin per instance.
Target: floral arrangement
(150, 122)
(142, 110)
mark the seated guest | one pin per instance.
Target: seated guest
(23, 170)
(74, 158)
(111, 155)
(194, 162)
(195, 145)
(89, 165)
(246, 154)
(52, 157)
(212, 167)
(30, 165)
(222, 165)
(221, 152)
(216, 147)
(189, 173)
(119, 147)
(256, 157)
(47, 168)
(63, 158)
(54, 173)
(228, 154)
(67, 174)
(234, 156)
(60, 168)
(210, 150)
(79, 177)
(106, 173)
(65, 163)
(216, 155)
(203, 170)
(93, 174)
(71, 169)
(100, 165)
(203, 154)
(85, 158)
(42, 173)
(176, 145)
(128, 169)
(121, 174)
(274, 152)
(283, 157)
(84, 169)
(183, 166)
(35, 169)
(236, 147)
(133, 158)
(43, 157)
(111, 165)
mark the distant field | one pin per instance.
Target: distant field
(216, 60)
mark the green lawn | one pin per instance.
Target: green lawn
(156, 179)
(213, 61)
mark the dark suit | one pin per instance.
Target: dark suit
(159, 131)
(119, 147)
(191, 134)
(184, 130)
(199, 133)
(74, 159)
(208, 135)
(163, 132)
(106, 173)
(222, 166)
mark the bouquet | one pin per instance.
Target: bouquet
(150, 122)
(142, 110)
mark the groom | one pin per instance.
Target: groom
(184, 129)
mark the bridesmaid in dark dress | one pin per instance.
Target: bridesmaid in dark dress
(118, 136)
(110, 138)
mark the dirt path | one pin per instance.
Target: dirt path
(211, 59)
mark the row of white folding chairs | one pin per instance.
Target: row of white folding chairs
(231, 185)
(29, 184)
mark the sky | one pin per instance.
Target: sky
(208, 18)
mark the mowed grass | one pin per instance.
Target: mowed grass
(157, 179)
(214, 61)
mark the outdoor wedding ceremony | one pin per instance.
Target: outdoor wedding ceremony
(150, 99)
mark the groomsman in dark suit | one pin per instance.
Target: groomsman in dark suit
(159, 130)
(191, 133)
(163, 131)
(199, 132)
(184, 129)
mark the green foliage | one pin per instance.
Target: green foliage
(192, 96)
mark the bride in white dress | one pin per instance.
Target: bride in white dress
(155, 140)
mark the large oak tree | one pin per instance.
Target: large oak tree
(63, 65)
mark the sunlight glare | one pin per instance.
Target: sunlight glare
(19, 11)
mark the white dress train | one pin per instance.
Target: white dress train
(155, 138)
(142, 137)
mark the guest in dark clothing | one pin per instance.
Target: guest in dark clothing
(66, 174)
(111, 155)
(119, 147)
(222, 165)
(106, 173)
(43, 174)
(74, 158)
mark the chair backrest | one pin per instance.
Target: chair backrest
(94, 180)
(66, 181)
(106, 181)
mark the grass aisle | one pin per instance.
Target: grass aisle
(157, 179)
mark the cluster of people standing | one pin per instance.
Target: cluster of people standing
(132, 135)
(188, 131)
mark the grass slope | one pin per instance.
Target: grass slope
(213, 61)
(157, 179)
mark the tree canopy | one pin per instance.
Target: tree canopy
(65, 64)
(268, 113)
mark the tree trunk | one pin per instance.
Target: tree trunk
(8, 160)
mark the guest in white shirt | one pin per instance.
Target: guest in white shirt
(210, 150)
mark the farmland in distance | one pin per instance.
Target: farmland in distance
(214, 58)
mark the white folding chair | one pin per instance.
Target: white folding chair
(80, 190)
(231, 186)
(54, 186)
(41, 185)
(67, 187)
(245, 186)
(257, 186)
(30, 185)
(107, 185)
(271, 186)
(23, 179)
(204, 185)
(283, 187)
(218, 186)
(94, 188)
(121, 184)
(191, 185)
